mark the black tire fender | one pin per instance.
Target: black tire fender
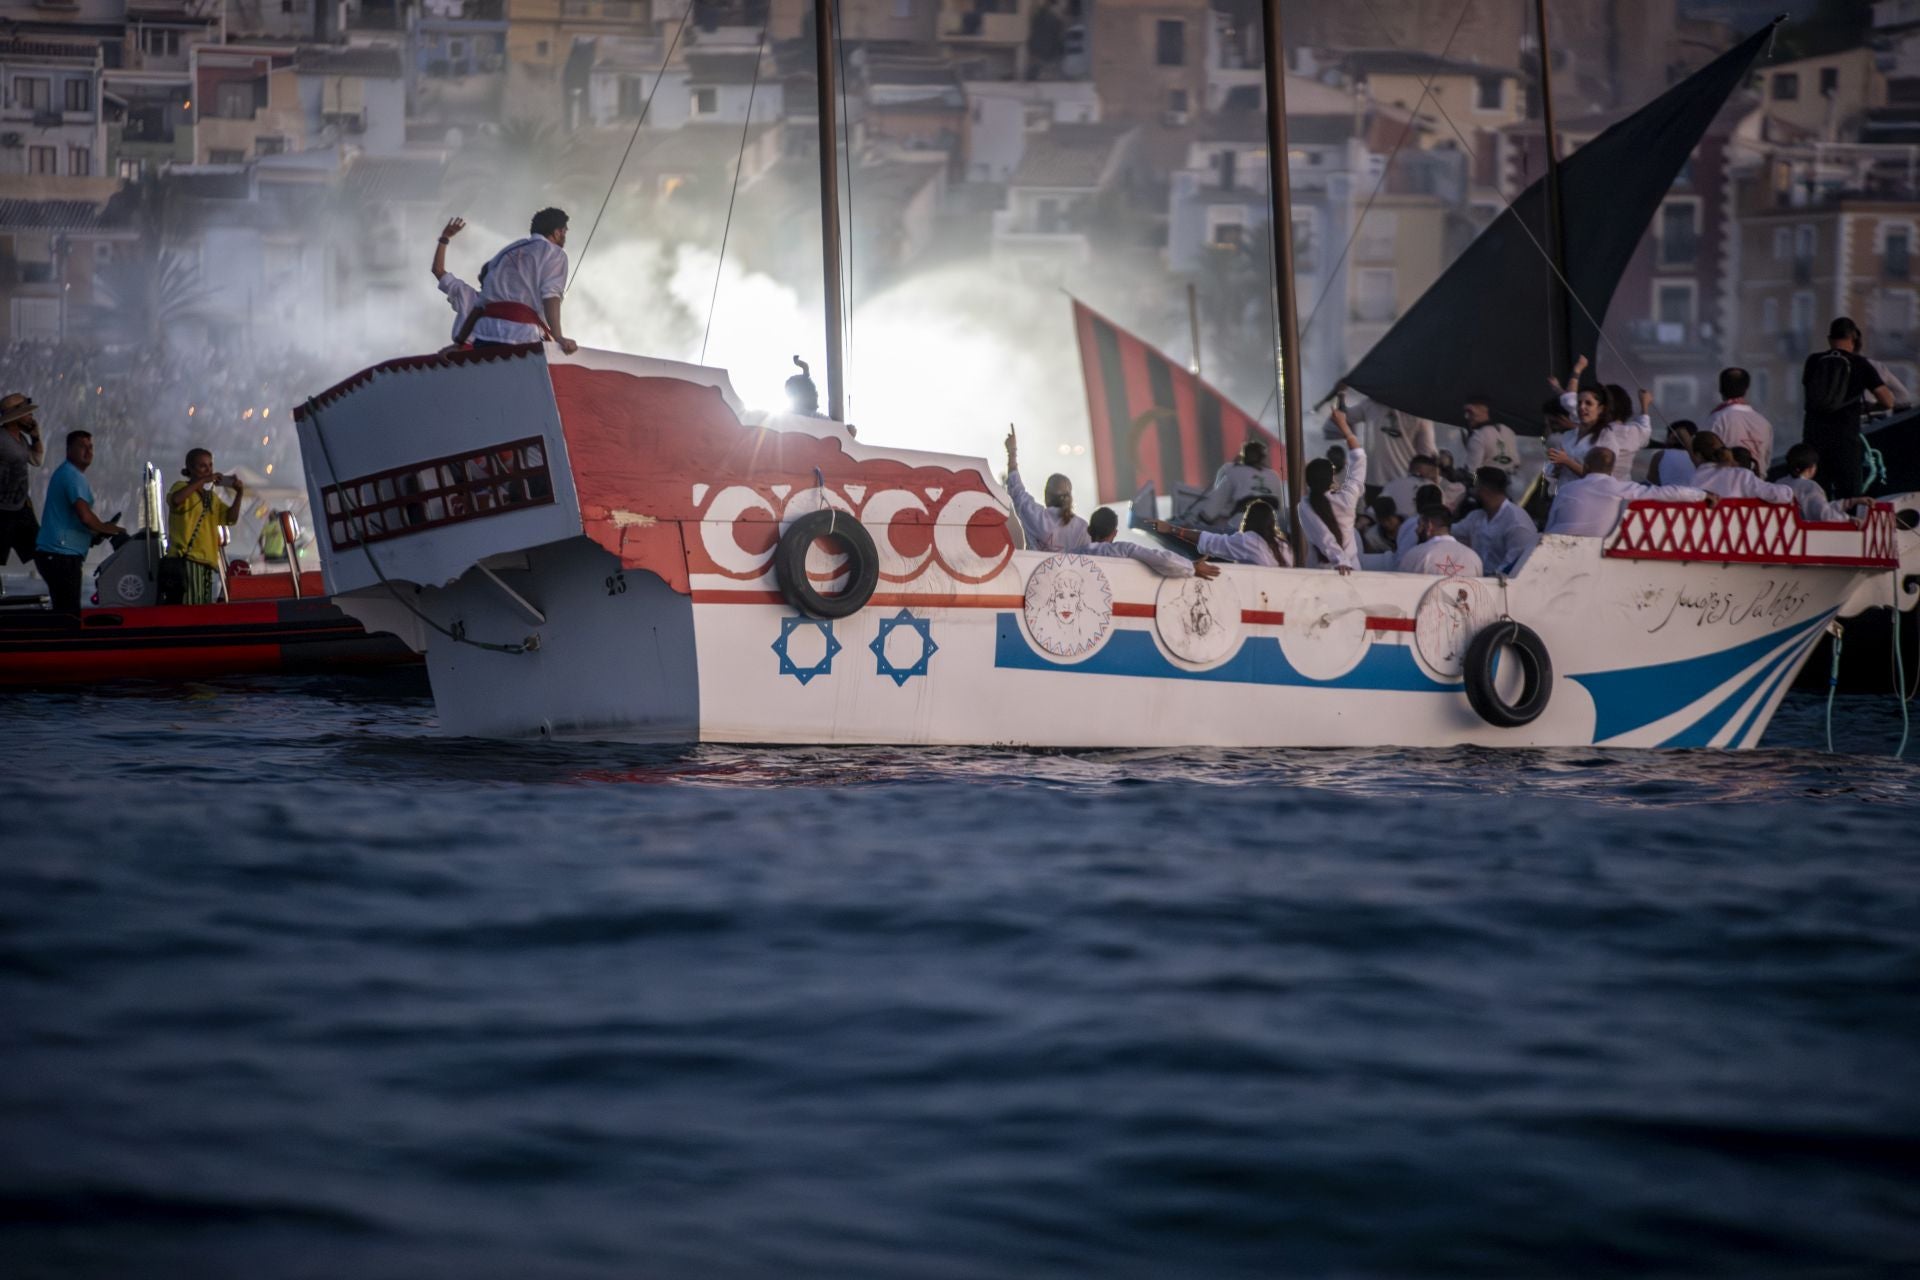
(1536, 669)
(863, 564)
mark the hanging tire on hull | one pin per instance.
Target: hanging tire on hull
(1536, 672)
(862, 568)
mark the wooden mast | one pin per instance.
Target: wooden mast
(823, 65)
(1280, 234)
(1556, 220)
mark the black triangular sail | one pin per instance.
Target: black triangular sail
(1482, 328)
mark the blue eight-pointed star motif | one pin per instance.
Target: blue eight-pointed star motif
(820, 668)
(927, 647)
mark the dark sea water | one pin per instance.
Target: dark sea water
(291, 988)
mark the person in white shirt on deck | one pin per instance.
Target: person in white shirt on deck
(1392, 439)
(1102, 526)
(1248, 476)
(1715, 471)
(461, 296)
(1258, 541)
(1326, 513)
(1438, 551)
(1738, 423)
(1500, 531)
(521, 288)
(1053, 527)
(1590, 506)
(1489, 443)
(1605, 424)
(1422, 472)
(1803, 463)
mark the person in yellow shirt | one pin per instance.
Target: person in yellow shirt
(194, 516)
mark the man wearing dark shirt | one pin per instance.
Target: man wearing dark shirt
(1835, 431)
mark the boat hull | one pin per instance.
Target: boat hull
(189, 642)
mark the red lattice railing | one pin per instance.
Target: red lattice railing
(1749, 531)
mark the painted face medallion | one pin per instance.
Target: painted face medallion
(1069, 605)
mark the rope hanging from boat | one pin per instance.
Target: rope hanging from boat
(634, 137)
(1413, 116)
(1467, 148)
(739, 163)
(458, 631)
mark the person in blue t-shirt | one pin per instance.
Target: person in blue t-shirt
(68, 525)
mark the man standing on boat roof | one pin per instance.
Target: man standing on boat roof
(1053, 527)
(1836, 381)
(521, 288)
(70, 527)
(22, 448)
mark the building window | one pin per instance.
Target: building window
(234, 101)
(1893, 315)
(1829, 81)
(540, 48)
(1373, 295)
(80, 161)
(706, 102)
(633, 94)
(1170, 42)
(1177, 102)
(1782, 244)
(1673, 308)
(903, 8)
(130, 170)
(1679, 234)
(575, 8)
(32, 93)
(79, 95)
(1800, 318)
(270, 146)
(1769, 316)
(1786, 86)
(1762, 384)
(159, 42)
(43, 160)
(226, 155)
(1895, 258)
(1490, 93)
(1676, 395)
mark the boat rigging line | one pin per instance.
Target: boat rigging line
(846, 130)
(1413, 118)
(739, 163)
(632, 138)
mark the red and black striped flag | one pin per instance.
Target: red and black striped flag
(1153, 420)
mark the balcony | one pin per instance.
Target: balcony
(1803, 270)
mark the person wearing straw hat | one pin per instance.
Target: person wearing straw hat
(21, 450)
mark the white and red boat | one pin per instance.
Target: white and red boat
(602, 545)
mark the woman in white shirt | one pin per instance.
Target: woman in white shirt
(1326, 513)
(1604, 424)
(1053, 527)
(1715, 471)
(1258, 541)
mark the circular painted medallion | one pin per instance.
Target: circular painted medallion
(1325, 634)
(1069, 605)
(1450, 614)
(1198, 618)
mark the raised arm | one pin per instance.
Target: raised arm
(453, 228)
(1032, 515)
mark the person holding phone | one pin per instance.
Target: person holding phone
(194, 516)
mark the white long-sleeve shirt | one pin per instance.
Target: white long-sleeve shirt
(1738, 482)
(1444, 555)
(1164, 563)
(1624, 438)
(1337, 546)
(1812, 501)
(1590, 506)
(1045, 531)
(528, 271)
(1235, 483)
(1501, 538)
(1243, 548)
(461, 296)
(1738, 423)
